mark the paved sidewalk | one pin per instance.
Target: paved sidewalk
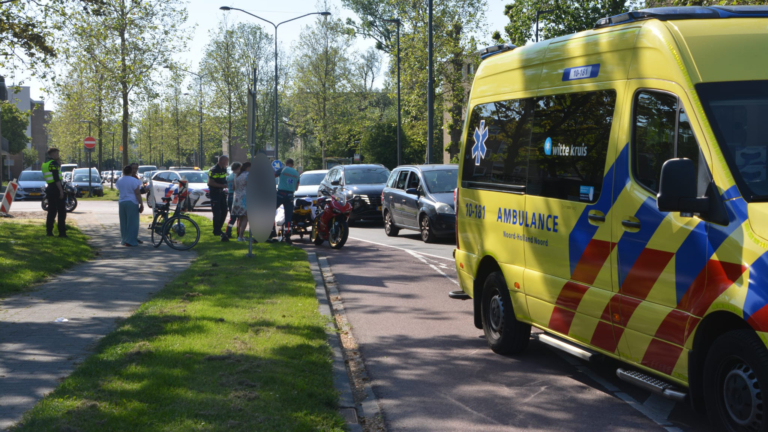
(36, 351)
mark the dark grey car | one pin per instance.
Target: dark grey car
(365, 181)
(420, 197)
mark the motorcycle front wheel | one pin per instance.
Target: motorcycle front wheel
(340, 233)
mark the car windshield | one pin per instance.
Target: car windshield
(195, 177)
(441, 181)
(737, 112)
(31, 176)
(311, 179)
(358, 176)
(84, 178)
(143, 169)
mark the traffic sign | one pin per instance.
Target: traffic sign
(89, 143)
(277, 165)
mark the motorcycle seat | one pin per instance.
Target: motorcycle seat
(302, 202)
(167, 199)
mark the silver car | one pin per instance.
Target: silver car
(31, 186)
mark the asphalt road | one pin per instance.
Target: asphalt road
(431, 368)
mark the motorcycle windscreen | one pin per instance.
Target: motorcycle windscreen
(261, 197)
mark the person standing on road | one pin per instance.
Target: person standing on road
(287, 185)
(231, 196)
(217, 182)
(55, 194)
(130, 205)
(239, 207)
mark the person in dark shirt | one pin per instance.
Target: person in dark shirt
(217, 182)
(55, 194)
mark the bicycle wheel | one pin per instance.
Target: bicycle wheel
(157, 229)
(181, 233)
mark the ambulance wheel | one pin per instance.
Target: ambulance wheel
(504, 333)
(735, 375)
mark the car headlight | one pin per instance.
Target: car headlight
(443, 208)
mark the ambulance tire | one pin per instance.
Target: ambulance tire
(735, 374)
(503, 332)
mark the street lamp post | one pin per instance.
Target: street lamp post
(200, 81)
(430, 90)
(227, 8)
(399, 145)
(112, 177)
(538, 14)
(90, 190)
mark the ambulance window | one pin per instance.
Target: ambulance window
(401, 180)
(496, 146)
(569, 145)
(662, 132)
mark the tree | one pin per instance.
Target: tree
(379, 144)
(321, 86)
(133, 38)
(28, 157)
(455, 22)
(14, 123)
(568, 16)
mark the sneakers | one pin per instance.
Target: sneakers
(224, 238)
(241, 239)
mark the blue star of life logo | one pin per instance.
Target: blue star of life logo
(479, 149)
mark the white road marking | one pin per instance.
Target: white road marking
(403, 249)
(422, 259)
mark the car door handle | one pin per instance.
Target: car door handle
(596, 218)
(630, 224)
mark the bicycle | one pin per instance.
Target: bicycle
(174, 229)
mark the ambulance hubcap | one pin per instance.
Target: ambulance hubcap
(497, 313)
(743, 398)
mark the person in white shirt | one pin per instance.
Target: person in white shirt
(130, 205)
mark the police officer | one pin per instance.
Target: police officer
(217, 182)
(289, 182)
(55, 193)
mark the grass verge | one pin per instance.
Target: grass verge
(27, 255)
(109, 195)
(234, 343)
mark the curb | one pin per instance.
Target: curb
(347, 407)
(369, 406)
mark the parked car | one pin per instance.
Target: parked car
(146, 176)
(65, 168)
(163, 186)
(31, 185)
(80, 182)
(145, 168)
(365, 181)
(309, 182)
(420, 197)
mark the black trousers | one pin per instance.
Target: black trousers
(219, 209)
(56, 206)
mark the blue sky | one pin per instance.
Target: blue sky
(204, 16)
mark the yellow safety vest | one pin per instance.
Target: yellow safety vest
(47, 173)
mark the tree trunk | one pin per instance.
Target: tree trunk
(124, 90)
(98, 127)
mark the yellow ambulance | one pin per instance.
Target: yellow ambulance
(613, 192)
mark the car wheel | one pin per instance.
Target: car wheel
(389, 227)
(735, 375)
(426, 230)
(503, 332)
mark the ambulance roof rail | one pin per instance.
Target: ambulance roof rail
(685, 13)
(494, 49)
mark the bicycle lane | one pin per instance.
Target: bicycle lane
(36, 352)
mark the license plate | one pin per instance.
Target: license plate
(34, 194)
(379, 208)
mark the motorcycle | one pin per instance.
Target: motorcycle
(302, 217)
(331, 220)
(69, 198)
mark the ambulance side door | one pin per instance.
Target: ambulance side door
(659, 255)
(567, 218)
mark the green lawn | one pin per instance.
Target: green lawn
(234, 343)
(109, 195)
(27, 255)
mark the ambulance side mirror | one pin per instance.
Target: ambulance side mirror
(677, 188)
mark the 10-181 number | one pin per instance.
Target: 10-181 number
(475, 210)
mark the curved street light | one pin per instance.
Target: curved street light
(227, 8)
